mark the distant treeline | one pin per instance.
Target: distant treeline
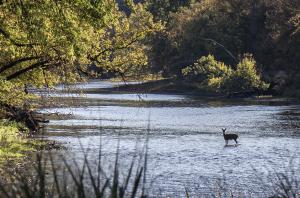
(268, 30)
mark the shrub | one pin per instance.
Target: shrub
(244, 78)
(216, 76)
(208, 71)
(11, 93)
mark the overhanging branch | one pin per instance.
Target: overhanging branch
(117, 48)
(16, 62)
(14, 42)
(27, 69)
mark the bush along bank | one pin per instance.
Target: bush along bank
(214, 76)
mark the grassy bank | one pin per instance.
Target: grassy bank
(15, 142)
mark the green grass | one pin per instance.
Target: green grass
(14, 143)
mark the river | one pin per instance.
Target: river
(186, 148)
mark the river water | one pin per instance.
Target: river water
(186, 149)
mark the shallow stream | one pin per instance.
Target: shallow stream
(186, 149)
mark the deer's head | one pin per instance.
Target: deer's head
(224, 130)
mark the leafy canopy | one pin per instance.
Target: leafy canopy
(43, 42)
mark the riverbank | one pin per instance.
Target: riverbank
(164, 86)
(17, 144)
(13, 142)
(180, 87)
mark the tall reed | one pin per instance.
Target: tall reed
(69, 179)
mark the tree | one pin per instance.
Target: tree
(161, 9)
(123, 48)
(38, 37)
(43, 43)
(208, 27)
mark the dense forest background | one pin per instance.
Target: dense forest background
(267, 30)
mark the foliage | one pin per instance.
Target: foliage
(12, 145)
(123, 48)
(189, 33)
(207, 67)
(62, 37)
(244, 78)
(39, 37)
(268, 29)
(44, 43)
(12, 93)
(216, 76)
(207, 71)
(161, 9)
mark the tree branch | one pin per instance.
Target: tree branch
(27, 69)
(116, 48)
(219, 44)
(16, 43)
(16, 62)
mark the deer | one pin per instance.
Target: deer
(229, 136)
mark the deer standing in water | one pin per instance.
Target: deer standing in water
(229, 136)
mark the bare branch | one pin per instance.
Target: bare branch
(219, 44)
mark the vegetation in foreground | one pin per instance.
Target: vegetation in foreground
(89, 178)
(69, 179)
(12, 142)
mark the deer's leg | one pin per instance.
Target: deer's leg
(235, 141)
(226, 142)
